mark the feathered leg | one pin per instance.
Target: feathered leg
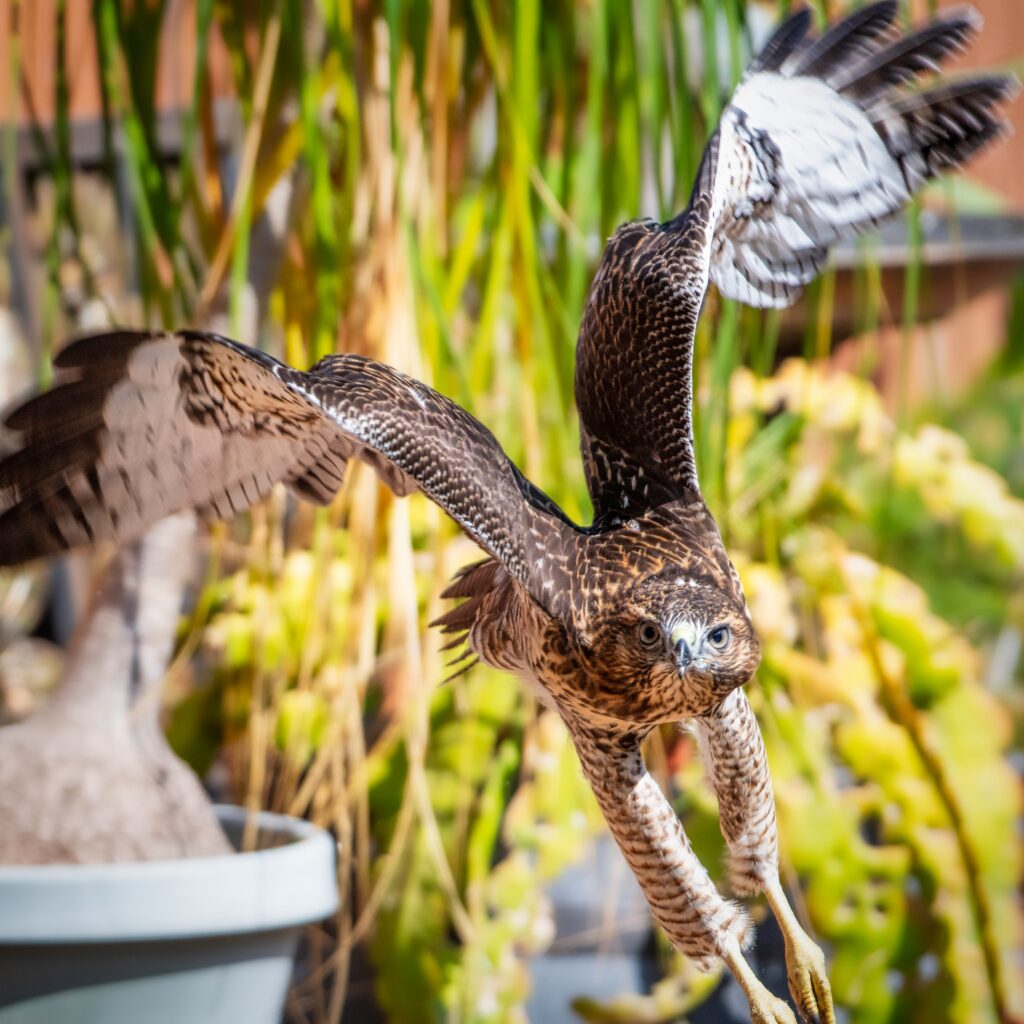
(737, 768)
(700, 923)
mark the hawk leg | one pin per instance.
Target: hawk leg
(737, 768)
(699, 922)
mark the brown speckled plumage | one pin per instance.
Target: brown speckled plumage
(640, 618)
(737, 769)
(655, 845)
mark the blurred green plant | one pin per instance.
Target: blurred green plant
(447, 173)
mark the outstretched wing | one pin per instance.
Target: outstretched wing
(821, 139)
(143, 425)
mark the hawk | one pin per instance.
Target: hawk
(638, 619)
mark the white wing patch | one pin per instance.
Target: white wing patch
(804, 158)
(789, 184)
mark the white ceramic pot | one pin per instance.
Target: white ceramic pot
(205, 940)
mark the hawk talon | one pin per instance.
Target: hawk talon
(768, 1009)
(805, 963)
(808, 982)
(765, 1008)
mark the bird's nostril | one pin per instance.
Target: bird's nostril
(683, 653)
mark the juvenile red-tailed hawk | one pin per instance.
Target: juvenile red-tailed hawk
(639, 618)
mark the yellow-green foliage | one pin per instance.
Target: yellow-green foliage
(896, 803)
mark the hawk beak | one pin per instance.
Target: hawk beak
(684, 640)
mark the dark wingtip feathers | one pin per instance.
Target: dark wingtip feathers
(941, 127)
(784, 41)
(847, 40)
(918, 52)
(971, 95)
(966, 17)
(859, 54)
(928, 129)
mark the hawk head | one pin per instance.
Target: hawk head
(673, 645)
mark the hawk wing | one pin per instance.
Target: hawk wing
(142, 425)
(820, 140)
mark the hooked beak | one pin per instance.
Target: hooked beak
(684, 641)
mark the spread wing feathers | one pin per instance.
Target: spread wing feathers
(822, 138)
(911, 55)
(820, 142)
(847, 40)
(141, 425)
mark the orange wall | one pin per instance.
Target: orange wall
(37, 33)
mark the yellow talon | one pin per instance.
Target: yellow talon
(764, 1007)
(805, 963)
(767, 1009)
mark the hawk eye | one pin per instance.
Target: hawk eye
(718, 637)
(649, 633)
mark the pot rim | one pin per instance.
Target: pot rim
(192, 897)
